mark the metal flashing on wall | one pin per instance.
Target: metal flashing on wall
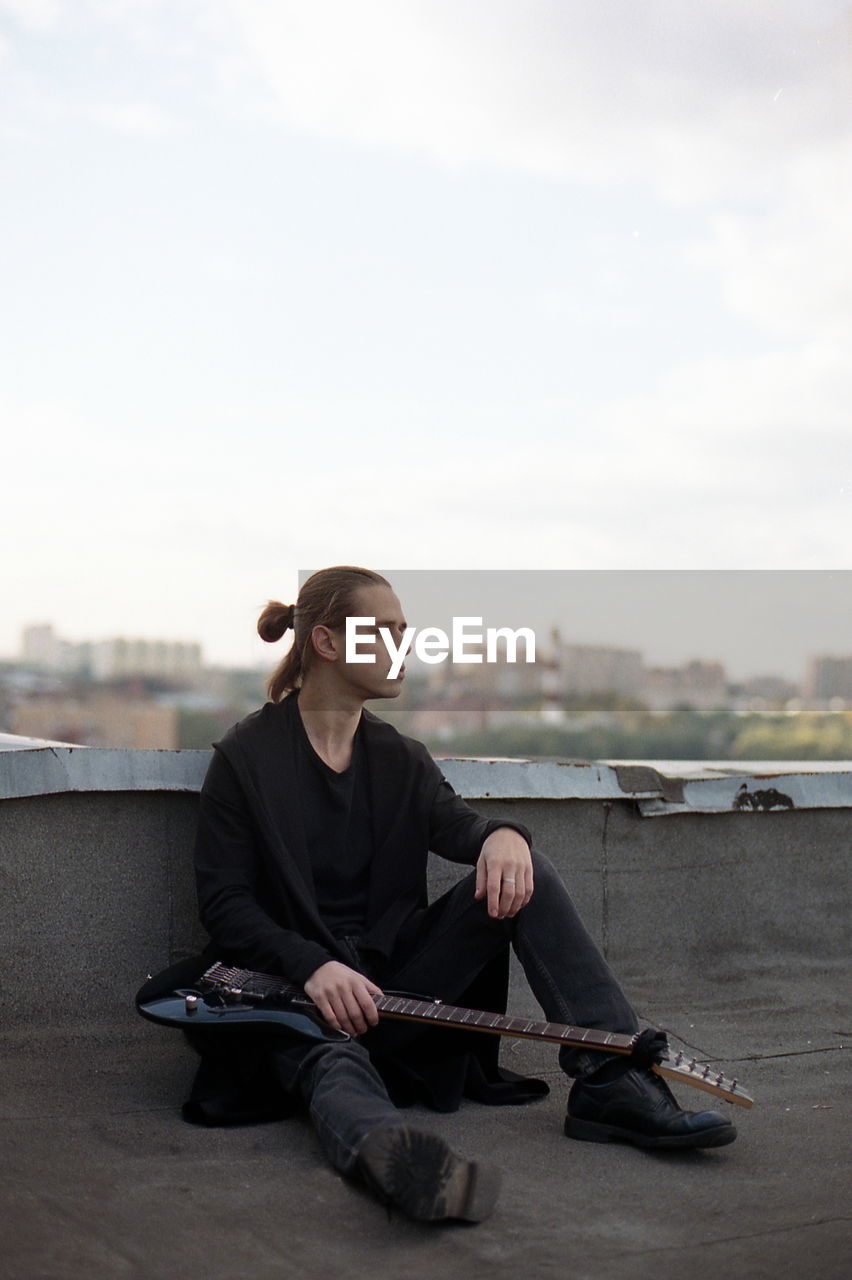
(659, 788)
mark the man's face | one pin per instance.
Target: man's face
(371, 678)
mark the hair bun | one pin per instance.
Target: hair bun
(275, 620)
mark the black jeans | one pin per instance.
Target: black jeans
(440, 952)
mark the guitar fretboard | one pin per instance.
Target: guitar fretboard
(501, 1024)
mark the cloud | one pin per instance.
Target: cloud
(741, 109)
(736, 463)
(136, 119)
(788, 268)
(33, 15)
(696, 99)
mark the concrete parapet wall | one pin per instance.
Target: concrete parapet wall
(97, 890)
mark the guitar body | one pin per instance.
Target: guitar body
(224, 996)
(188, 1008)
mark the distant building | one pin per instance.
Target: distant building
(769, 688)
(584, 668)
(564, 669)
(490, 680)
(447, 722)
(764, 693)
(102, 719)
(41, 647)
(154, 659)
(829, 678)
(117, 659)
(702, 685)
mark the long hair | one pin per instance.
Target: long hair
(326, 599)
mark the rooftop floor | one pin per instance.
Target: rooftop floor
(101, 1177)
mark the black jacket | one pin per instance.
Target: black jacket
(257, 902)
(255, 889)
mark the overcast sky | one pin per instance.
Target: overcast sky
(492, 284)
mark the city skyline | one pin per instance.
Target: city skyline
(754, 623)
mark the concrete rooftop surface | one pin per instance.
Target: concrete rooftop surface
(727, 925)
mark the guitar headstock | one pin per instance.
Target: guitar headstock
(679, 1066)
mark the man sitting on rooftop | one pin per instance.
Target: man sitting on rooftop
(315, 824)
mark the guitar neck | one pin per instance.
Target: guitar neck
(446, 1015)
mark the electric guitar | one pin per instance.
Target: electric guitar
(225, 995)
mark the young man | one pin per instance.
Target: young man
(315, 824)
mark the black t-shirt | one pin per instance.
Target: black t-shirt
(338, 831)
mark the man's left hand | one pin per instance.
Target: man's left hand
(504, 873)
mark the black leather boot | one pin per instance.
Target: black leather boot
(639, 1107)
(418, 1173)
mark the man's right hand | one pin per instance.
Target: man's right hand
(344, 997)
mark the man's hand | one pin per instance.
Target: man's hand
(504, 872)
(344, 997)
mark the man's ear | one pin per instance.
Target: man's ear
(324, 643)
